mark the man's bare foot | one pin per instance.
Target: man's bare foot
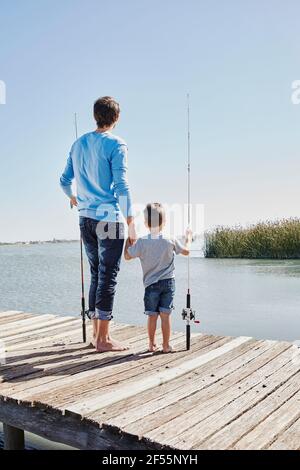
(152, 348)
(167, 349)
(110, 345)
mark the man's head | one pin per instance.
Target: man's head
(106, 112)
(154, 214)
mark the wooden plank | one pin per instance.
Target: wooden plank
(52, 424)
(41, 327)
(215, 381)
(47, 340)
(279, 421)
(232, 410)
(55, 364)
(15, 358)
(40, 381)
(205, 375)
(68, 337)
(65, 327)
(35, 322)
(14, 317)
(210, 410)
(154, 380)
(15, 338)
(37, 371)
(87, 379)
(38, 357)
(19, 325)
(164, 402)
(8, 313)
(229, 435)
(44, 336)
(121, 370)
(289, 439)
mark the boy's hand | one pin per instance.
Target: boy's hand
(73, 202)
(189, 235)
(126, 254)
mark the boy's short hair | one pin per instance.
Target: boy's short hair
(154, 215)
(106, 111)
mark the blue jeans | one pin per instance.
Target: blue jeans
(159, 297)
(103, 243)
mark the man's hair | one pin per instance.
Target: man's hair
(154, 215)
(106, 111)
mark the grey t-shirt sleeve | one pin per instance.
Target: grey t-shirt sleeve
(178, 247)
(135, 250)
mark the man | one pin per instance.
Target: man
(98, 162)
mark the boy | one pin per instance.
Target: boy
(156, 254)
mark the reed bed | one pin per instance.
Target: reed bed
(272, 239)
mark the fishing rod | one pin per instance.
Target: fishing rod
(83, 312)
(187, 313)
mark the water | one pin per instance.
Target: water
(231, 297)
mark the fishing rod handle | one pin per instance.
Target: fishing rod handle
(188, 337)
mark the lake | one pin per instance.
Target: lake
(259, 298)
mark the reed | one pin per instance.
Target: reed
(271, 239)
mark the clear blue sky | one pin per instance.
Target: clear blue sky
(236, 58)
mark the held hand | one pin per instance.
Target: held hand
(132, 236)
(73, 202)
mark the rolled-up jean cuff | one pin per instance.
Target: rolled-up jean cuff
(151, 314)
(165, 310)
(102, 315)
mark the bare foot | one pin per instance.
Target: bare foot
(152, 348)
(110, 345)
(167, 349)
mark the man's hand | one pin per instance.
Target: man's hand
(73, 202)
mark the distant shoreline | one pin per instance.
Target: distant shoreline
(37, 242)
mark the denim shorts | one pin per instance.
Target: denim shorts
(159, 297)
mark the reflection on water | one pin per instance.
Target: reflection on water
(259, 298)
(290, 268)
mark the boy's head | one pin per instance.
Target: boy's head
(154, 215)
(106, 112)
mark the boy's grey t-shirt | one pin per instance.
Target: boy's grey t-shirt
(157, 257)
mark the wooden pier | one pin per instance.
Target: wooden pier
(225, 393)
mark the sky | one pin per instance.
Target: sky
(237, 60)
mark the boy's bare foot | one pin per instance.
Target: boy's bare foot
(167, 349)
(152, 348)
(110, 345)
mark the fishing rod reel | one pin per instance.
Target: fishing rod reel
(189, 315)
